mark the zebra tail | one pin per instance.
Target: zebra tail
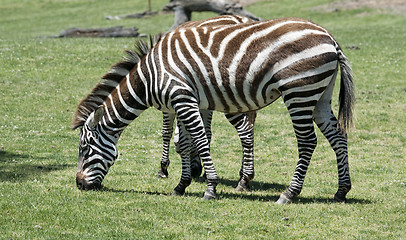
(346, 96)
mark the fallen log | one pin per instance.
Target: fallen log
(134, 15)
(110, 32)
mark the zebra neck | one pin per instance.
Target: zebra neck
(124, 104)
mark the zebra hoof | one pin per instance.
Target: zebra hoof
(209, 195)
(180, 189)
(283, 199)
(162, 174)
(339, 197)
(242, 186)
(176, 193)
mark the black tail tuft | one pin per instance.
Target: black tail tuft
(346, 97)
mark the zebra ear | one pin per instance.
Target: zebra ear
(95, 117)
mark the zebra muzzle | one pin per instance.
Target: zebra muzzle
(84, 184)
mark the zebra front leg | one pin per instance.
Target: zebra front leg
(195, 162)
(183, 147)
(189, 115)
(196, 167)
(167, 129)
(307, 141)
(244, 124)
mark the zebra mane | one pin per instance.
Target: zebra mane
(111, 79)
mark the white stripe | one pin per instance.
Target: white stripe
(112, 128)
(108, 114)
(96, 149)
(162, 68)
(132, 92)
(315, 97)
(308, 87)
(116, 112)
(134, 111)
(149, 87)
(155, 89)
(94, 176)
(295, 110)
(92, 158)
(308, 53)
(144, 81)
(263, 56)
(323, 68)
(212, 35)
(226, 17)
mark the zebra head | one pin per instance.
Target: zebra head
(97, 152)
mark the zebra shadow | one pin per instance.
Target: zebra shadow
(259, 191)
(309, 200)
(273, 197)
(257, 186)
(251, 196)
(254, 185)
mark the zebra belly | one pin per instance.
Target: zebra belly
(269, 97)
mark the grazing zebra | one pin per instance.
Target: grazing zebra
(242, 122)
(233, 69)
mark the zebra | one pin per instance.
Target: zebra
(232, 69)
(243, 123)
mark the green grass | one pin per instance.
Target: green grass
(43, 79)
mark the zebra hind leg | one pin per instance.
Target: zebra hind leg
(328, 125)
(307, 141)
(167, 129)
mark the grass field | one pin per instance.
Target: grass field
(43, 79)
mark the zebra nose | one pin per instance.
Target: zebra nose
(83, 184)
